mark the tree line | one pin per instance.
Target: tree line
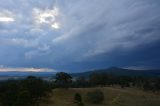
(104, 79)
(26, 92)
(31, 90)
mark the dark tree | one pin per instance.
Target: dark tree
(157, 85)
(26, 92)
(63, 79)
(81, 82)
(98, 79)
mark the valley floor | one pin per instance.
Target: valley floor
(114, 96)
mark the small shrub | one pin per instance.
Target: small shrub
(95, 97)
(78, 98)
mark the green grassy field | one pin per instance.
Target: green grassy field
(114, 96)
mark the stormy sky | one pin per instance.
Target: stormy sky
(79, 35)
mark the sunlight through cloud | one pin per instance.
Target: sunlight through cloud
(47, 16)
(56, 26)
(6, 19)
(6, 16)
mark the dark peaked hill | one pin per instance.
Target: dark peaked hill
(122, 72)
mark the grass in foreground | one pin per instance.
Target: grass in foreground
(113, 97)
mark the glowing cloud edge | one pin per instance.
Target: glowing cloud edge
(22, 69)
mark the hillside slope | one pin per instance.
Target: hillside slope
(122, 72)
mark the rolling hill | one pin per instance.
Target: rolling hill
(121, 72)
(113, 70)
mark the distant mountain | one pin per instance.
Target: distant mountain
(121, 72)
(113, 70)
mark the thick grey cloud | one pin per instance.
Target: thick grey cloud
(77, 32)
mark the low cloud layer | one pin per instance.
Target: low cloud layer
(84, 34)
(21, 69)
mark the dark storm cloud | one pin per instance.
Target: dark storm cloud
(85, 34)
